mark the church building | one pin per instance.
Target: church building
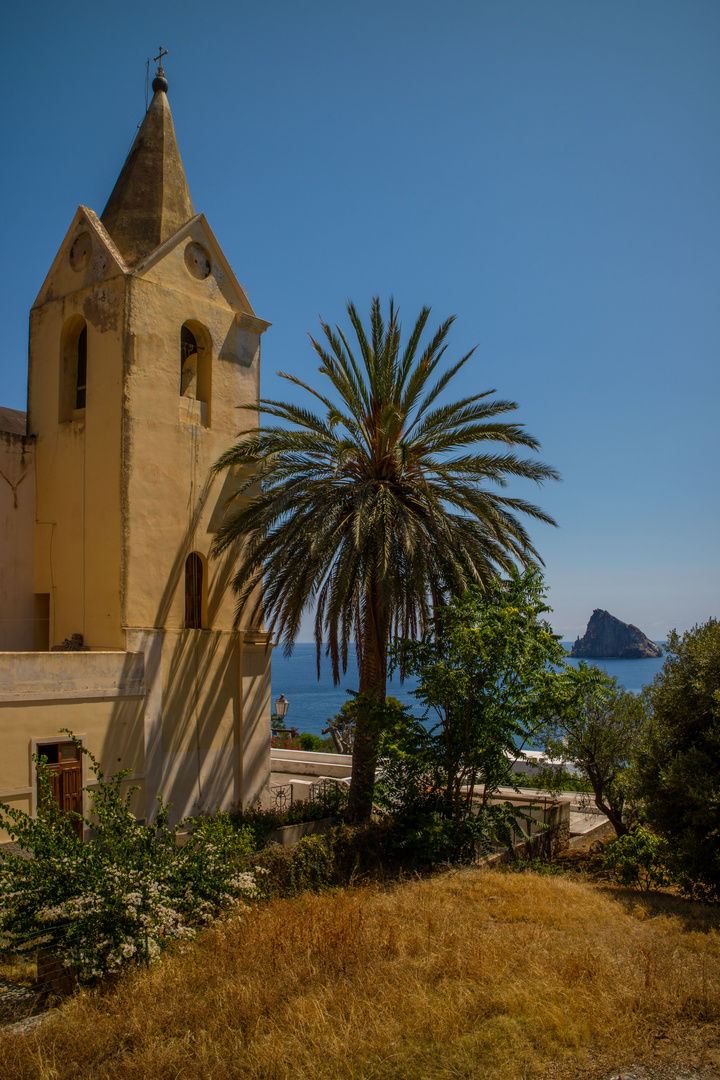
(114, 622)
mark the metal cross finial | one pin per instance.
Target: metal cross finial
(158, 59)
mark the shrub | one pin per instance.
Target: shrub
(639, 859)
(282, 871)
(330, 802)
(285, 740)
(308, 741)
(535, 865)
(598, 725)
(127, 893)
(677, 767)
(345, 854)
(367, 850)
(433, 838)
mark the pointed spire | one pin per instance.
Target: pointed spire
(150, 200)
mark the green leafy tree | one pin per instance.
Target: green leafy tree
(341, 727)
(372, 712)
(379, 508)
(597, 726)
(487, 678)
(677, 768)
(639, 859)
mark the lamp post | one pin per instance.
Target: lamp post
(281, 707)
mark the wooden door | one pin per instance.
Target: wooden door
(65, 775)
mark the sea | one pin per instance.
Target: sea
(314, 701)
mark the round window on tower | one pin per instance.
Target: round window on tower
(197, 260)
(80, 251)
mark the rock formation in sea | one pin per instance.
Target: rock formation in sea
(607, 638)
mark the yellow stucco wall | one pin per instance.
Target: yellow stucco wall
(78, 544)
(124, 492)
(174, 502)
(17, 524)
(111, 728)
(188, 713)
(255, 696)
(207, 719)
(201, 721)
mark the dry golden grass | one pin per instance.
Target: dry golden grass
(471, 974)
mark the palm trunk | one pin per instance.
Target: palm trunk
(373, 679)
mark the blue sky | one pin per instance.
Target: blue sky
(547, 171)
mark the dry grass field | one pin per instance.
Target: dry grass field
(468, 974)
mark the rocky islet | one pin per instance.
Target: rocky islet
(608, 638)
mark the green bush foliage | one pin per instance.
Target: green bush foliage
(287, 871)
(486, 681)
(535, 865)
(598, 725)
(553, 779)
(285, 740)
(345, 854)
(330, 803)
(129, 892)
(639, 859)
(369, 850)
(308, 741)
(677, 768)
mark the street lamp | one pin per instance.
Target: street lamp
(281, 707)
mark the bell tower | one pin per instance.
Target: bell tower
(142, 346)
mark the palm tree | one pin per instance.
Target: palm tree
(378, 509)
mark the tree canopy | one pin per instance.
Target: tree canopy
(378, 508)
(487, 680)
(597, 725)
(677, 767)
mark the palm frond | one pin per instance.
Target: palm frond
(382, 507)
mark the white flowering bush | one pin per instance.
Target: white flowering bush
(126, 894)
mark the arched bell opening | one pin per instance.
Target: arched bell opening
(72, 395)
(196, 364)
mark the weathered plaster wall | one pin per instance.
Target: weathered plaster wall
(174, 504)
(124, 493)
(46, 675)
(208, 733)
(86, 258)
(200, 729)
(17, 525)
(206, 719)
(98, 696)
(78, 543)
(256, 709)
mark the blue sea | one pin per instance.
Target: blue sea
(313, 701)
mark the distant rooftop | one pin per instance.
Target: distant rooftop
(13, 420)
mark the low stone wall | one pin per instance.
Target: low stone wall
(549, 832)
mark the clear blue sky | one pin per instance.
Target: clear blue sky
(548, 171)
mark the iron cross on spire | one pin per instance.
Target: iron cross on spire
(158, 59)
